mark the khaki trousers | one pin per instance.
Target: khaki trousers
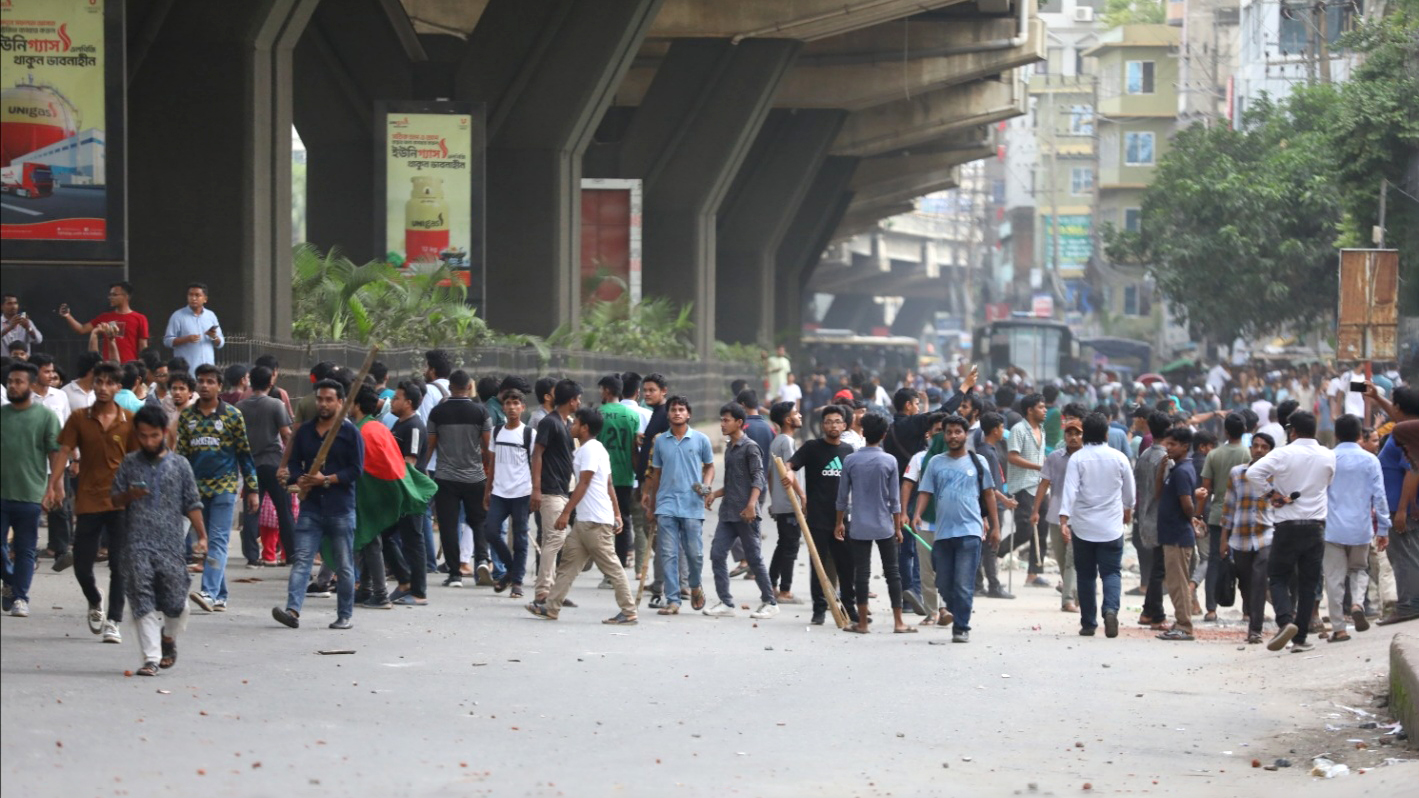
(1176, 573)
(551, 544)
(595, 542)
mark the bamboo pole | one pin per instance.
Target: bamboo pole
(649, 554)
(839, 616)
(333, 433)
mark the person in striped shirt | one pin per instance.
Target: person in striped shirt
(1246, 525)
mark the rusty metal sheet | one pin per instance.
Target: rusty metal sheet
(1368, 311)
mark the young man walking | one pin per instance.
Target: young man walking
(681, 468)
(1296, 477)
(1095, 508)
(211, 434)
(551, 481)
(821, 461)
(744, 482)
(1052, 486)
(1357, 512)
(959, 494)
(619, 427)
(1025, 459)
(1148, 471)
(157, 493)
(870, 485)
(511, 491)
(29, 435)
(1176, 513)
(268, 430)
(653, 389)
(1246, 521)
(459, 430)
(787, 417)
(407, 545)
(592, 537)
(328, 509)
(101, 434)
(1216, 479)
(991, 428)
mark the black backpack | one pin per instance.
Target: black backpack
(526, 439)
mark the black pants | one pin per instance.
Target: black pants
(404, 553)
(1297, 548)
(61, 519)
(625, 539)
(371, 562)
(1153, 596)
(1025, 534)
(841, 555)
(785, 551)
(88, 530)
(1251, 573)
(1214, 567)
(1145, 557)
(270, 485)
(862, 562)
(450, 497)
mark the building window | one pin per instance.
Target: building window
(1130, 300)
(1042, 67)
(1294, 37)
(1081, 180)
(1132, 219)
(1138, 149)
(1138, 77)
(1081, 120)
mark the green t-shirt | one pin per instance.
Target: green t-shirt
(1054, 429)
(27, 437)
(1218, 468)
(619, 425)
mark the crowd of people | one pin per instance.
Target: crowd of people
(1287, 487)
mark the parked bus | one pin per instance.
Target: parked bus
(845, 349)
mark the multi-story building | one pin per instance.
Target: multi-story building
(1281, 45)
(1207, 57)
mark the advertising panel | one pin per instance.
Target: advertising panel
(432, 165)
(1075, 244)
(60, 108)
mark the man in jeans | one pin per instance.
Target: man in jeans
(268, 430)
(328, 509)
(551, 481)
(30, 434)
(102, 434)
(1296, 477)
(681, 465)
(1246, 520)
(459, 429)
(1025, 459)
(511, 491)
(1357, 511)
(1096, 506)
(211, 434)
(744, 482)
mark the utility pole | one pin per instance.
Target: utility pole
(1384, 200)
(1323, 47)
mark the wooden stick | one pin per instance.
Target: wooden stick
(829, 593)
(649, 553)
(333, 433)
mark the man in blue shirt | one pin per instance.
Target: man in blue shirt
(328, 509)
(193, 332)
(681, 468)
(1356, 510)
(1403, 550)
(1175, 534)
(957, 482)
(870, 485)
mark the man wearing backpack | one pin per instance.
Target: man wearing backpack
(510, 475)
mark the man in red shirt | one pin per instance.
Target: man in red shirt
(126, 326)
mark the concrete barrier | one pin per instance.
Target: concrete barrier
(1404, 684)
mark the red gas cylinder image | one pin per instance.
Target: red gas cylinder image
(31, 118)
(425, 221)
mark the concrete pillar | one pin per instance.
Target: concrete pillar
(686, 141)
(805, 239)
(547, 71)
(209, 155)
(915, 313)
(756, 214)
(856, 312)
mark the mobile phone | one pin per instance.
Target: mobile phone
(1357, 386)
(140, 485)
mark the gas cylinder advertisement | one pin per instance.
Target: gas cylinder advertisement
(54, 171)
(433, 189)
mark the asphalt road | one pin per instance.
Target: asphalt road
(64, 203)
(470, 695)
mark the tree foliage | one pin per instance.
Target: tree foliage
(653, 328)
(1133, 12)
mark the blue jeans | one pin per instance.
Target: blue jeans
(679, 534)
(311, 529)
(431, 563)
(1094, 561)
(747, 535)
(23, 517)
(909, 567)
(217, 513)
(499, 510)
(956, 561)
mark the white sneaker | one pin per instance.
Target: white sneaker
(96, 613)
(110, 633)
(765, 611)
(20, 609)
(720, 610)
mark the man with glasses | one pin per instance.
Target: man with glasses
(121, 323)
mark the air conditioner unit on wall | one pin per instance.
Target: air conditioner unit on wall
(1083, 14)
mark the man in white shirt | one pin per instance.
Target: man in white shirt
(193, 332)
(1096, 509)
(777, 368)
(80, 390)
(630, 393)
(1296, 477)
(60, 517)
(791, 392)
(510, 476)
(1346, 400)
(593, 535)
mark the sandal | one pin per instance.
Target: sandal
(669, 609)
(908, 630)
(1175, 634)
(169, 653)
(148, 669)
(697, 598)
(852, 627)
(1340, 637)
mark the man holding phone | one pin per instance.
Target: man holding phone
(193, 332)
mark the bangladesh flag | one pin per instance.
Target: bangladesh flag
(387, 489)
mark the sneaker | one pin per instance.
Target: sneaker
(540, 610)
(621, 619)
(20, 609)
(1087, 631)
(410, 600)
(377, 604)
(913, 602)
(96, 612)
(341, 624)
(201, 600)
(110, 633)
(720, 610)
(317, 590)
(1111, 624)
(63, 561)
(765, 611)
(1301, 647)
(605, 583)
(656, 601)
(1254, 638)
(396, 594)
(290, 618)
(453, 582)
(960, 637)
(818, 619)
(1282, 637)
(220, 605)
(999, 593)
(485, 575)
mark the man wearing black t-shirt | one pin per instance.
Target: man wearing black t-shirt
(404, 543)
(821, 460)
(458, 430)
(551, 478)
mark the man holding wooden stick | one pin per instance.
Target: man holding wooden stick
(328, 508)
(821, 460)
